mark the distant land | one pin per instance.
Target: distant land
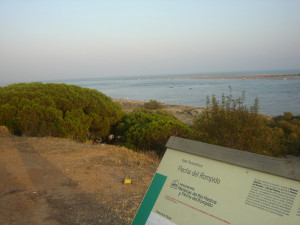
(250, 76)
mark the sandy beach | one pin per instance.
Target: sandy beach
(182, 113)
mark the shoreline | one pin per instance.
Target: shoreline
(250, 76)
(183, 113)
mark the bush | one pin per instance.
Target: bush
(153, 105)
(61, 110)
(289, 127)
(230, 123)
(146, 130)
(158, 111)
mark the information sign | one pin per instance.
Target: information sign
(197, 183)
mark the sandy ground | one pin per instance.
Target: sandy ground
(50, 181)
(182, 113)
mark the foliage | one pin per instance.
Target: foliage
(288, 127)
(157, 111)
(153, 105)
(231, 124)
(61, 110)
(148, 130)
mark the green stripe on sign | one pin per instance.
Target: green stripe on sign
(149, 199)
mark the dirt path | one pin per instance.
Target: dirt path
(57, 181)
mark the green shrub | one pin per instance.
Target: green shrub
(147, 130)
(61, 110)
(39, 120)
(157, 111)
(153, 105)
(9, 119)
(231, 124)
(289, 128)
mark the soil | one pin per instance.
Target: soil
(51, 181)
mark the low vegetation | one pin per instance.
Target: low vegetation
(61, 110)
(148, 130)
(58, 110)
(231, 124)
(288, 129)
(153, 105)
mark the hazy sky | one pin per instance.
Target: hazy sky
(57, 39)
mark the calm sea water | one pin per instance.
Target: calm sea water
(275, 96)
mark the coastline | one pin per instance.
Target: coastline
(250, 76)
(183, 113)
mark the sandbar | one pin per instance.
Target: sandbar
(249, 76)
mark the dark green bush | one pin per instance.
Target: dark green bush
(61, 110)
(147, 130)
(231, 124)
(153, 105)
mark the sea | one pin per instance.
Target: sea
(275, 96)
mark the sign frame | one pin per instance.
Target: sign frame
(288, 167)
(157, 199)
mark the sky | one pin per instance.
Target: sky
(64, 39)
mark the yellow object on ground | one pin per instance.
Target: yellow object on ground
(127, 181)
